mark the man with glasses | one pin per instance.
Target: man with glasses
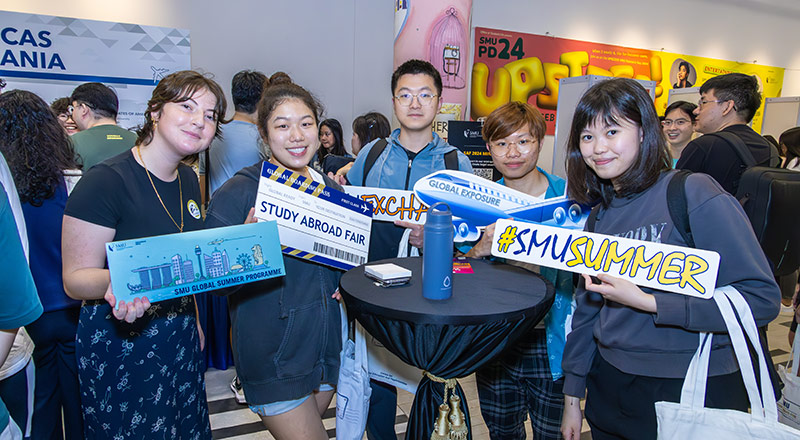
(94, 110)
(408, 154)
(727, 104)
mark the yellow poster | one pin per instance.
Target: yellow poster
(690, 71)
(515, 66)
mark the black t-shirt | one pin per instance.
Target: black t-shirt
(716, 157)
(118, 194)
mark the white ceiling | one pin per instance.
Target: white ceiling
(784, 8)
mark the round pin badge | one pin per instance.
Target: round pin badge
(193, 209)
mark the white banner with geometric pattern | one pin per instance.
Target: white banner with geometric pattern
(51, 55)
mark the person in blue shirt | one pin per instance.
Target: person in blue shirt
(527, 378)
(411, 152)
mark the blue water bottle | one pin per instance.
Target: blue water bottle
(437, 256)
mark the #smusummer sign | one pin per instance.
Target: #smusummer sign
(676, 269)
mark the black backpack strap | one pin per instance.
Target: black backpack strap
(739, 147)
(208, 178)
(747, 155)
(451, 160)
(372, 156)
(774, 156)
(677, 205)
(592, 220)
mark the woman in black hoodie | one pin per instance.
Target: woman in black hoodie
(286, 330)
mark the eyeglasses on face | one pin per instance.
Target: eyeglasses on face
(502, 147)
(71, 108)
(678, 123)
(702, 102)
(424, 98)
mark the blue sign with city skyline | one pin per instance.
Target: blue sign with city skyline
(169, 266)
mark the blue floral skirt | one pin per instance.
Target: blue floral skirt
(142, 380)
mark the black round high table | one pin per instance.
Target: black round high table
(489, 310)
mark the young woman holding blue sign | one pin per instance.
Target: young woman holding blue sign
(140, 366)
(631, 346)
(286, 330)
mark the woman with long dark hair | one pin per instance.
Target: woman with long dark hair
(330, 139)
(789, 142)
(140, 366)
(332, 153)
(630, 346)
(42, 162)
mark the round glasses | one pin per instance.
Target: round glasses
(424, 98)
(678, 123)
(502, 147)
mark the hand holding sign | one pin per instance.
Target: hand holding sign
(660, 266)
(621, 291)
(483, 248)
(128, 312)
(316, 222)
(416, 237)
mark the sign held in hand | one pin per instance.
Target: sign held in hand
(169, 266)
(688, 271)
(315, 221)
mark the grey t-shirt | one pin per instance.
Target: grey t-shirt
(239, 147)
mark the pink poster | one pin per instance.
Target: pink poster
(437, 31)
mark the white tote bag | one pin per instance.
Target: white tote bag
(789, 405)
(353, 390)
(689, 419)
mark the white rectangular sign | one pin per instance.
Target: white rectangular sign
(315, 221)
(672, 268)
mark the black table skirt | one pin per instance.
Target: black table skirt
(490, 309)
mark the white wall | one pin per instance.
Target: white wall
(342, 50)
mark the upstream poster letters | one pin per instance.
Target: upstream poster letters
(676, 269)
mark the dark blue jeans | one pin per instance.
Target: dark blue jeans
(14, 390)
(56, 376)
(382, 410)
